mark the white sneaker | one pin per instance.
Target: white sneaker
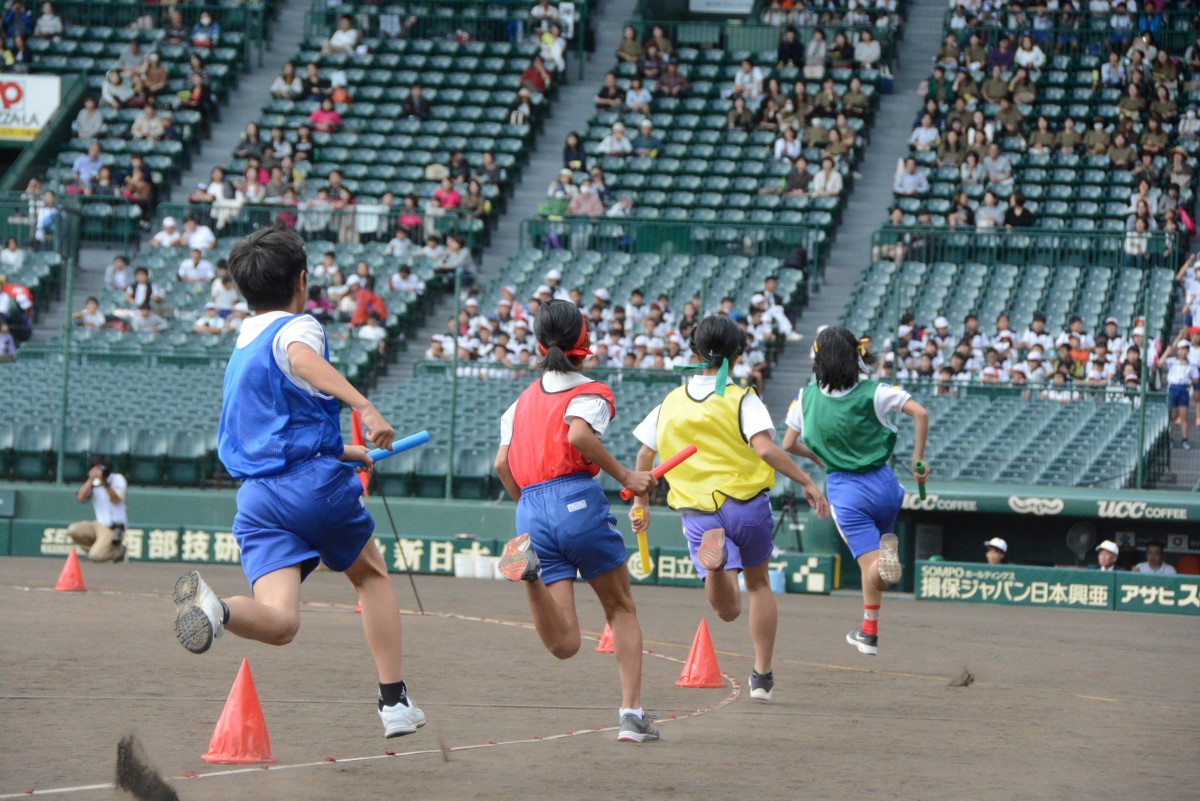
(795, 336)
(890, 569)
(198, 613)
(401, 719)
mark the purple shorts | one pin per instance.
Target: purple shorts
(749, 531)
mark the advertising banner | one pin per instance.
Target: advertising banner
(27, 102)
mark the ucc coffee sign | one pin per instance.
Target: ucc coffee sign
(27, 102)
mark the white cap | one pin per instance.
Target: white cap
(941, 322)
(602, 294)
(565, 171)
(997, 543)
(656, 344)
(208, 306)
(353, 280)
(641, 341)
(542, 290)
(1110, 546)
(1112, 320)
(554, 275)
(169, 222)
(504, 302)
(471, 302)
(758, 298)
(1034, 356)
(1183, 343)
(645, 123)
(512, 290)
(1139, 331)
(521, 324)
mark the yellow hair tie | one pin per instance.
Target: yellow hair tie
(862, 346)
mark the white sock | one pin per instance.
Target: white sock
(639, 712)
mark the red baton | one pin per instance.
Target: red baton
(665, 467)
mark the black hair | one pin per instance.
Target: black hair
(558, 324)
(266, 264)
(92, 299)
(103, 462)
(836, 360)
(717, 338)
(1161, 545)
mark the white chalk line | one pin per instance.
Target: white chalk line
(735, 692)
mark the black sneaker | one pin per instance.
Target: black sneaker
(865, 643)
(761, 685)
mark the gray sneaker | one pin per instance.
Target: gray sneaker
(636, 730)
(198, 613)
(890, 569)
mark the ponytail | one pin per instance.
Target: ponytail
(839, 357)
(562, 336)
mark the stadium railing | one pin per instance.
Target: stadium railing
(755, 38)
(491, 21)
(1091, 35)
(246, 21)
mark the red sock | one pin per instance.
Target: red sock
(870, 624)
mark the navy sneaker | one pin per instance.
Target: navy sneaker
(762, 685)
(865, 643)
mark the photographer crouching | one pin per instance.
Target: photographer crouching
(102, 536)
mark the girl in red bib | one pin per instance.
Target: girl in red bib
(550, 453)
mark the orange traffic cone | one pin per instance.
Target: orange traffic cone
(241, 733)
(71, 577)
(605, 645)
(701, 669)
(358, 608)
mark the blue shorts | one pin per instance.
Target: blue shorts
(1177, 395)
(749, 531)
(571, 528)
(311, 512)
(864, 506)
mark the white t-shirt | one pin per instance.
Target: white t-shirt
(592, 409)
(105, 510)
(1181, 371)
(753, 416)
(303, 329)
(202, 238)
(372, 333)
(192, 272)
(889, 400)
(167, 239)
(1163, 570)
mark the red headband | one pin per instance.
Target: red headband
(579, 350)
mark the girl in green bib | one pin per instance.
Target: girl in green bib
(845, 420)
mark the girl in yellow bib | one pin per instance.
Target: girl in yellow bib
(723, 491)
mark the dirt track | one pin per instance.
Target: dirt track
(1065, 705)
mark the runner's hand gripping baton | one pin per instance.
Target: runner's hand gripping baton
(399, 446)
(658, 472)
(665, 467)
(920, 468)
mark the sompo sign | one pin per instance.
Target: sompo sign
(27, 102)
